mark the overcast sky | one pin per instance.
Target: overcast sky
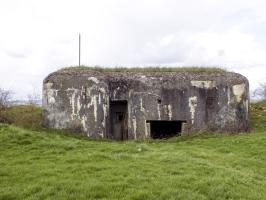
(38, 37)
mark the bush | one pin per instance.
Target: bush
(260, 92)
(4, 116)
(5, 96)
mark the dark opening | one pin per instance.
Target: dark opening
(118, 120)
(120, 116)
(165, 129)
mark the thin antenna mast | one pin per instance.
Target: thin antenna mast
(79, 47)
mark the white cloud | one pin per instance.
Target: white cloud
(37, 37)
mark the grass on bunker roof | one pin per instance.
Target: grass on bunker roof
(146, 69)
(49, 164)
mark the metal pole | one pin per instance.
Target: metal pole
(79, 47)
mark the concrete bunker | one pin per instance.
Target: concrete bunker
(125, 105)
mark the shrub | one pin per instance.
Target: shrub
(260, 92)
(5, 96)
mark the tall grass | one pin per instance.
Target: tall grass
(26, 116)
(258, 116)
(145, 69)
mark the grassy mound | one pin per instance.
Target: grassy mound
(145, 69)
(49, 164)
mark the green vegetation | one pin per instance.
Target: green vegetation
(26, 116)
(145, 69)
(49, 164)
(258, 116)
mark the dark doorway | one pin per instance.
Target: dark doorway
(165, 129)
(118, 120)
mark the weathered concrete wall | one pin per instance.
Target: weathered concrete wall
(79, 103)
(215, 102)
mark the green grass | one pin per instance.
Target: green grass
(49, 164)
(145, 69)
